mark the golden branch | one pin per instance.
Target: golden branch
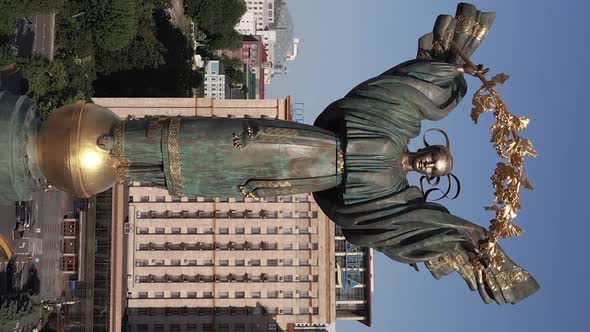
(509, 175)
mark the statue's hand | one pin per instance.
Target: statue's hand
(478, 71)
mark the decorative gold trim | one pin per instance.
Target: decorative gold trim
(119, 138)
(340, 162)
(174, 156)
(250, 131)
(120, 163)
(468, 25)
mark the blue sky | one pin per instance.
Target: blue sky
(543, 46)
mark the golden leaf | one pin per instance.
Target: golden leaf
(500, 78)
(526, 183)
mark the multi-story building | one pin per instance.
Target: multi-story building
(247, 25)
(264, 12)
(214, 80)
(354, 280)
(253, 55)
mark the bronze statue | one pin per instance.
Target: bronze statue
(354, 159)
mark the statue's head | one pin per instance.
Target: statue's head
(434, 162)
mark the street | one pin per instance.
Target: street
(44, 29)
(40, 246)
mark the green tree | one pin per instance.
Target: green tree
(217, 18)
(117, 24)
(144, 52)
(13, 309)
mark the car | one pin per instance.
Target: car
(24, 214)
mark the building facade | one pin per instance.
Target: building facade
(247, 25)
(215, 85)
(264, 11)
(254, 56)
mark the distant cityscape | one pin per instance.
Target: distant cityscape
(267, 47)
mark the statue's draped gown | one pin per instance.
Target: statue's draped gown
(350, 159)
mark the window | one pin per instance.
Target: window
(288, 278)
(223, 230)
(175, 230)
(272, 294)
(223, 262)
(191, 327)
(255, 262)
(191, 230)
(159, 230)
(303, 246)
(240, 295)
(272, 262)
(255, 230)
(224, 295)
(192, 262)
(159, 295)
(239, 230)
(287, 311)
(143, 230)
(240, 262)
(303, 230)
(141, 262)
(142, 327)
(160, 198)
(287, 230)
(287, 262)
(303, 262)
(191, 295)
(174, 327)
(175, 295)
(142, 295)
(288, 294)
(304, 311)
(287, 246)
(208, 262)
(158, 262)
(255, 294)
(158, 327)
(207, 295)
(271, 230)
(175, 262)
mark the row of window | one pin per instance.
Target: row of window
(227, 311)
(224, 230)
(150, 278)
(221, 262)
(206, 327)
(264, 214)
(197, 246)
(280, 199)
(290, 294)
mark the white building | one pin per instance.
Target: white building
(263, 10)
(247, 25)
(214, 80)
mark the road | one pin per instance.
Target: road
(44, 29)
(40, 246)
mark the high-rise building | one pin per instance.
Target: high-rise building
(215, 84)
(264, 11)
(247, 25)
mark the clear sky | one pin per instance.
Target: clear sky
(543, 46)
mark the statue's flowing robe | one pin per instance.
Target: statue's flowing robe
(374, 205)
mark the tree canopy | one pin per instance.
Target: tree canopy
(217, 19)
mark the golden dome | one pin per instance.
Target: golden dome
(67, 152)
